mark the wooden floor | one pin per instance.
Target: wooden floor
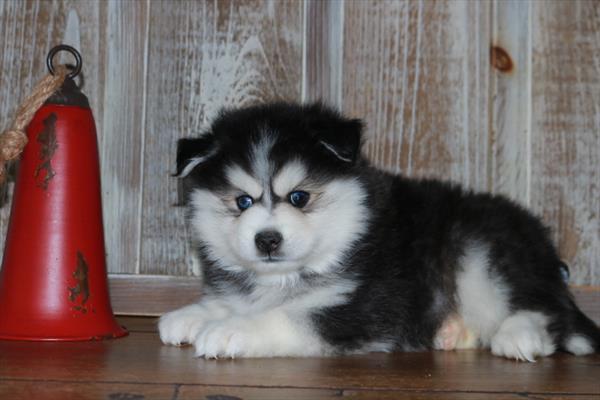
(140, 367)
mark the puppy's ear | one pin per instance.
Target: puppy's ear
(193, 152)
(343, 140)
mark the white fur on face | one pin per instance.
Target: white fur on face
(338, 219)
(289, 178)
(314, 237)
(213, 222)
(240, 179)
(261, 165)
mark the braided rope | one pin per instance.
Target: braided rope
(14, 139)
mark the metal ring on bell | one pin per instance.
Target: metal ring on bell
(64, 47)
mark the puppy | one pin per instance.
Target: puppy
(307, 250)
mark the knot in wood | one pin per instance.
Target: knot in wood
(501, 59)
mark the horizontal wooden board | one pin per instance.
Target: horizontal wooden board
(21, 389)
(41, 389)
(189, 392)
(138, 323)
(155, 295)
(427, 395)
(140, 358)
(151, 295)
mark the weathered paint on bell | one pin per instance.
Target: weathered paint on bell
(53, 282)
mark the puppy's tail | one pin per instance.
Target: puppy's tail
(583, 336)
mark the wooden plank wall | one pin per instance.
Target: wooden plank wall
(418, 71)
(498, 95)
(565, 123)
(154, 72)
(202, 56)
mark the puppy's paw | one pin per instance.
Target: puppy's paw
(269, 334)
(523, 336)
(447, 336)
(183, 325)
(454, 335)
(234, 337)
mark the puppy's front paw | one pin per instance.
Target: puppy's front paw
(183, 325)
(270, 334)
(230, 338)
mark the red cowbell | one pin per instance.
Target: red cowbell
(53, 282)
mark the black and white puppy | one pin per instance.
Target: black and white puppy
(307, 250)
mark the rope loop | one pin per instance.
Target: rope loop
(14, 139)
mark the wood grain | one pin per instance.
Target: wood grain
(123, 135)
(112, 49)
(138, 324)
(20, 389)
(427, 395)
(565, 159)
(510, 136)
(189, 392)
(323, 51)
(155, 295)
(140, 358)
(40, 389)
(203, 56)
(151, 294)
(418, 72)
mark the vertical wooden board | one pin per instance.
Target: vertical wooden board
(418, 72)
(123, 137)
(565, 158)
(323, 51)
(474, 19)
(28, 30)
(202, 56)
(510, 56)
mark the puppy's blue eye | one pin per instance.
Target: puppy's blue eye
(299, 198)
(244, 202)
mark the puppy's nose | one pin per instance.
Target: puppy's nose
(268, 241)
